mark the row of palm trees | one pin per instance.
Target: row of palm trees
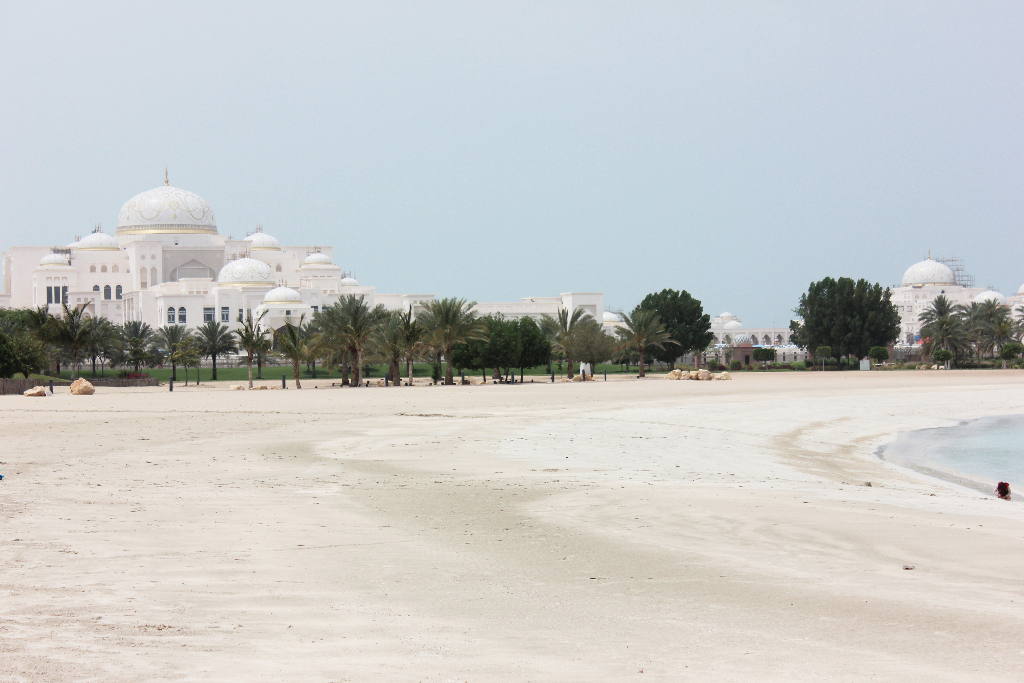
(978, 330)
(345, 335)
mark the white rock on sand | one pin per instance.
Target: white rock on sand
(36, 391)
(723, 375)
(236, 387)
(82, 387)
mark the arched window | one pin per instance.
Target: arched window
(767, 340)
(170, 316)
(106, 292)
(117, 292)
(181, 315)
(95, 288)
(142, 279)
(278, 269)
(114, 269)
(103, 269)
(152, 276)
(92, 268)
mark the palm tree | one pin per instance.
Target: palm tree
(412, 339)
(252, 339)
(216, 340)
(642, 329)
(563, 331)
(168, 337)
(943, 327)
(452, 321)
(389, 342)
(104, 335)
(350, 323)
(72, 331)
(137, 339)
(291, 342)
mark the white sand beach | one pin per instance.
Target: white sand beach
(628, 530)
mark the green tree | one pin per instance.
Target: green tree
(452, 321)
(291, 343)
(685, 321)
(563, 331)
(167, 337)
(137, 341)
(643, 330)
(72, 331)
(8, 356)
(943, 356)
(879, 354)
(534, 345)
(187, 354)
(412, 339)
(764, 355)
(350, 323)
(215, 340)
(943, 327)
(848, 316)
(253, 339)
(1010, 351)
(389, 342)
(824, 353)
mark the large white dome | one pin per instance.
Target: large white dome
(97, 241)
(282, 295)
(990, 295)
(262, 241)
(929, 272)
(54, 260)
(166, 209)
(733, 325)
(246, 271)
(610, 317)
(317, 259)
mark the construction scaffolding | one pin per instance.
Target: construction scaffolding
(956, 264)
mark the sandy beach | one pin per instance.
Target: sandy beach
(628, 530)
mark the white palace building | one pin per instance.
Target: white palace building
(168, 264)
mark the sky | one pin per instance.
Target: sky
(492, 151)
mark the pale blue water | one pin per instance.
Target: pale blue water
(983, 451)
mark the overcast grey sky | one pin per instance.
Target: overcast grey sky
(500, 150)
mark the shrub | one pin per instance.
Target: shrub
(736, 365)
(798, 365)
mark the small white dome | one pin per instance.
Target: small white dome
(741, 339)
(733, 325)
(54, 260)
(246, 271)
(990, 295)
(929, 272)
(97, 241)
(610, 317)
(261, 240)
(1021, 290)
(317, 260)
(349, 282)
(166, 209)
(727, 316)
(282, 295)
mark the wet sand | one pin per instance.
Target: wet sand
(626, 530)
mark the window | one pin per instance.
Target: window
(278, 269)
(92, 268)
(248, 313)
(208, 314)
(95, 288)
(152, 276)
(106, 292)
(50, 295)
(103, 269)
(64, 294)
(181, 315)
(225, 314)
(240, 314)
(316, 309)
(287, 312)
(117, 292)
(114, 269)
(170, 316)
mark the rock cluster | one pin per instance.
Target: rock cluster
(36, 391)
(260, 387)
(82, 387)
(236, 387)
(702, 375)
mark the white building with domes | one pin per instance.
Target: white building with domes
(167, 263)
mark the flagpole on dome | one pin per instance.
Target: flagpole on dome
(166, 181)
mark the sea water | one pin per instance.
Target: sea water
(980, 452)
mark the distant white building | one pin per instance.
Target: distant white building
(168, 264)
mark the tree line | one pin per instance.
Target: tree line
(350, 334)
